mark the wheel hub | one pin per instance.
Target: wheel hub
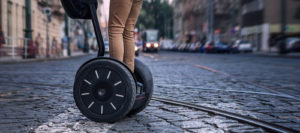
(103, 91)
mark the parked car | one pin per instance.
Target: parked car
(166, 44)
(187, 47)
(202, 49)
(292, 44)
(208, 47)
(176, 46)
(195, 47)
(221, 47)
(182, 47)
(241, 46)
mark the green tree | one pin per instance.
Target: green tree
(156, 14)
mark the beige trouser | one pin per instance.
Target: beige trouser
(123, 15)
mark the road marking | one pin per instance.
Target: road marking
(208, 69)
(108, 74)
(101, 109)
(96, 72)
(85, 94)
(13, 92)
(88, 82)
(118, 95)
(116, 84)
(91, 104)
(148, 55)
(113, 106)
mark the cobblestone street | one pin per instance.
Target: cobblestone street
(38, 96)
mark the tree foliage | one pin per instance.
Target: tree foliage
(156, 14)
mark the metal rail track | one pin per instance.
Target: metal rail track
(255, 122)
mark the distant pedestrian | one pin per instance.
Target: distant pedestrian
(39, 42)
(2, 38)
(2, 41)
(54, 46)
(64, 46)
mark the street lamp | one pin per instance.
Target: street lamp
(47, 12)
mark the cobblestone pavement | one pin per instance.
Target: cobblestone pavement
(37, 97)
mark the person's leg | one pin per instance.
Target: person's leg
(118, 14)
(128, 35)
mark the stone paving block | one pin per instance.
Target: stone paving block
(55, 105)
(207, 130)
(195, 124)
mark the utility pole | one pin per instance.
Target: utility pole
(28, 29)
(47, 38)
(1, 15)
(283, 16)
(210, 20)
(212, 14)
(233, 13)
(47, 12)
(282, 47)
(234, 23)
(67, 34)
(207, 19)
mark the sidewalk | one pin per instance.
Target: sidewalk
(18, 59)
(275, 54)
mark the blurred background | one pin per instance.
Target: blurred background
(240, 56)
(40, 28)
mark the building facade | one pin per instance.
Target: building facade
(262, 22)
(189, 19)
(13, 21)
(226, 20)
(178, 24)
(192, 17)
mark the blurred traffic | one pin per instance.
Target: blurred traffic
(201, 26)
(239, 46)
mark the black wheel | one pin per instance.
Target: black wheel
(104, 90)
(145, 87)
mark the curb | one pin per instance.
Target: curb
(42, 59)
(278, 56)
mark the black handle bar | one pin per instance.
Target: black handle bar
(97, 29)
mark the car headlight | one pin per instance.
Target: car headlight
(155, 45)
(148, 45)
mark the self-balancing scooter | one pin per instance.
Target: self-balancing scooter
(105, 90)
